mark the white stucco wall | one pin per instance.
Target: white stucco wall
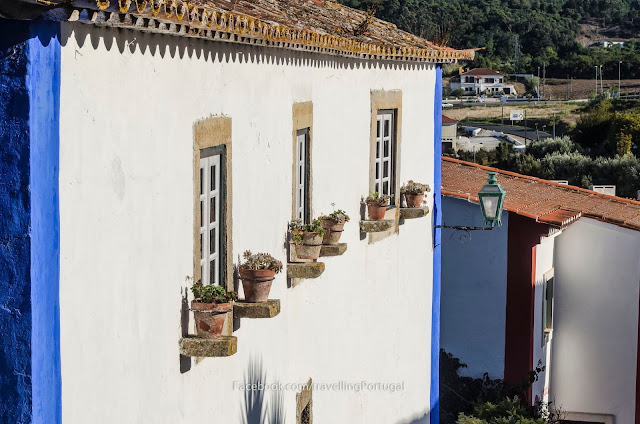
(128, 105)
(541, 340)
(597, 272)
(474, 289)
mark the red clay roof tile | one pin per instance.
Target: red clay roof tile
(545, 201)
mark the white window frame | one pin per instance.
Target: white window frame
(210, 193)
(301, 196)
(385, 155)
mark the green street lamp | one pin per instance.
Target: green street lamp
(491, 201)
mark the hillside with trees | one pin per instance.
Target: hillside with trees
(520, 35)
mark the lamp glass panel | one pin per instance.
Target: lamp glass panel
(490, 203)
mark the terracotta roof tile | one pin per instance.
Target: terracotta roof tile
(545, 201)
(323, 26)
(447, 120)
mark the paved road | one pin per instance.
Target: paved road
(529, 134)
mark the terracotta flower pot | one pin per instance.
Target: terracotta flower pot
(210, 318)
(376, 211)
(414, 200)
(332, 237)
(256, 291)
(311, 239)
(257, 274)
(304, 251)
(331, 225)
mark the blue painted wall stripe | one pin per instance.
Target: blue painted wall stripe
(437, 238)
(15, 290)
(43, 82)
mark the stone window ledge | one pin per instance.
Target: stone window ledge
(333, 249)
(376, 226)
(412, 213)
(268, 309)
(199, 347)
(305, 270)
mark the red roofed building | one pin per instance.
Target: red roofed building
(557, 284)
(482, 81)
(449, 134)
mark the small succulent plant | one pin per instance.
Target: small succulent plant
(378, 198)
(298, 229)
(413, 187)
(338, 216)
(260, 261)
(211, 293)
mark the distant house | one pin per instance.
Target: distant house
(482, 81)
(607, 44)
(449, 134)
(558, 283)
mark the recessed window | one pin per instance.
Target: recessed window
(211, 189)
(384, 181)
(302, 195)
(547, 314)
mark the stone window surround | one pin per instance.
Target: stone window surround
(212, 132)
(386, 100)
(302, 113)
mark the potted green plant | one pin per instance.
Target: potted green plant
(334, 225)
(414, 193)
(257, 273)
(377, 205)
(307, 238)
(210, 306)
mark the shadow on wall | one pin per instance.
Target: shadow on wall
(256, 410)
(423, 419)
(126, 40)
(185, 361)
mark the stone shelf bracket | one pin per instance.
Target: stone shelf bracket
(199, 347)
(305, 270)
(412, 213)
(333, 249)
(268, 309)
(375, 226)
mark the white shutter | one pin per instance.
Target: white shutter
(384, 153)
(301, 177)
(210, 219)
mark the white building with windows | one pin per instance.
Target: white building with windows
(557, 284)
(147, 144)
(482, 81)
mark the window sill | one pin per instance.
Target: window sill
(305, 270)
(412, 213)
(199, 347)
(268, 309)
(375, 226)
(333, 249)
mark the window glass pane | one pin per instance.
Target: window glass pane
(201, 212)
(212, 272)
(201, 249)
(385, 187)
(300, 173)
(201, 182)
(377, 187)
(301, 150)
(378, 128)
(377, 149)
(377, 170)
(212, 210)
(212, 241)
(385, 169)
(213, 177)
(386, 127)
